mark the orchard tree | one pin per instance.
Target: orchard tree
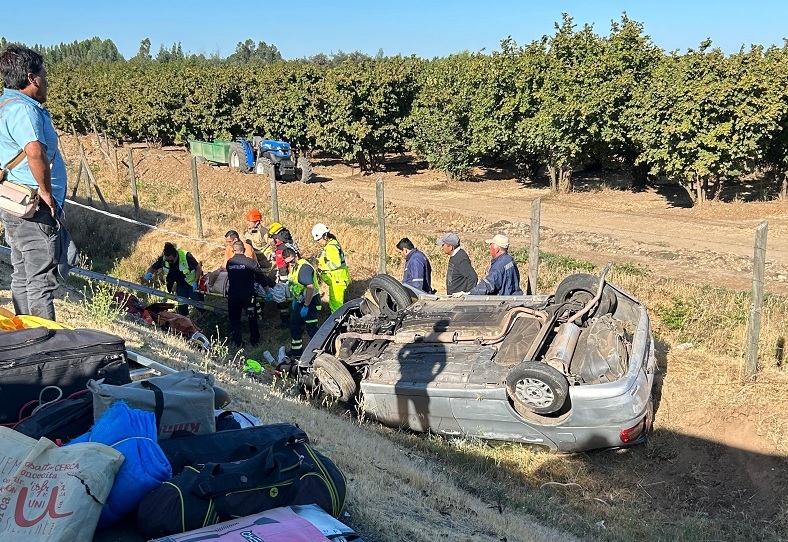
(567, 120)
(440, 117)
(703, 117)
(362, 107)
(775, 144)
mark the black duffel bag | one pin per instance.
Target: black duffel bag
(61, 360)
(288, 472)
(60, 421)
(183, 450)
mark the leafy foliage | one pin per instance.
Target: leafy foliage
(568, 100)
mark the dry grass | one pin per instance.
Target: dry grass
(412, 487)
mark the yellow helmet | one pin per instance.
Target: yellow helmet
(275, 228)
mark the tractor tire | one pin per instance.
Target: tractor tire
(237, 157)
(303, 170)
(262, 166)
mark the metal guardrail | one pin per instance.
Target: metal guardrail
(87, 273)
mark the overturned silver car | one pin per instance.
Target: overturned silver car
(572, 371)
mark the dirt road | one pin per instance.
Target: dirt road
(711, 245)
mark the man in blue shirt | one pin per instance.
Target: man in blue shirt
(418, 271)
(25, 125)
(504, 277)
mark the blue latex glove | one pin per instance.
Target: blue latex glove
(147, 276)
(304, 310)
(269, 297)
(195, 286)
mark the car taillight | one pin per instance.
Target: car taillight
(630, 435)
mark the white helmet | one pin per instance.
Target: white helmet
(319, 230)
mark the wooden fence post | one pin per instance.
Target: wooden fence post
(754, 324)
(380, 205)
(196, 196)
(133, 179)
(274, 196)
(533, 252)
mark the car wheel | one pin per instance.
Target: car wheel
(334, 378)
(582, 287)
(389, 293)
(237, 158)
(537, 387)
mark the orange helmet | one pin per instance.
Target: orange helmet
(253, 216)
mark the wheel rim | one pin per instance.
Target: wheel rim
(534, 392)
(327, 381)
(234, 160)
(386, 303)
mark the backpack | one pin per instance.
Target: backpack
(288, 472)
(60, 421)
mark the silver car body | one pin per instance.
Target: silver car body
(444, 385)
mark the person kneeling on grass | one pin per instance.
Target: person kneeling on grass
(183, 273)
(305, 291)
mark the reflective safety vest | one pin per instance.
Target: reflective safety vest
(259, 243)
(296, 288)
(332, 263)
(188, 274)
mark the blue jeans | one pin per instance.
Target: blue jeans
(188, 293)
(33, 244)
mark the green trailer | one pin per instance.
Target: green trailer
(217, 151)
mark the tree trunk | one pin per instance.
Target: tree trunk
(362, 161)
(553, 178)
(565, 180)
(784, 187)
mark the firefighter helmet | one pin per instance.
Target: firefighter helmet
(253, 215)
(275, 228)
(318, 231)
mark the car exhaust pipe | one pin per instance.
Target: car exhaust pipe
(563, 346)
(596, 298)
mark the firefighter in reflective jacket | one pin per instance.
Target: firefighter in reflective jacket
(306, 299)
(331, 266)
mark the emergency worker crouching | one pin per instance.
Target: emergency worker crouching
(182, 272)
(306, 299)
(331, 265)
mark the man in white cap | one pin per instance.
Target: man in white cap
(504, 277)
(460, 276)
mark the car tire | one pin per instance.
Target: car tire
(583, 287)
(537, 387)
(389, 294)
(334, 378)
(237, 157)
(303, 170)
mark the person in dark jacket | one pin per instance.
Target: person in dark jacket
(242, 274)
(504, 277)
(460, 276)
(418, 271)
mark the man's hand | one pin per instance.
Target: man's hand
(459, 294)
(147, 276)
(39, 168)
(304, 311)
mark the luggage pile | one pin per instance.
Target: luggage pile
(82, 446)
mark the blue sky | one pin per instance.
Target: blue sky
(426, 28)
